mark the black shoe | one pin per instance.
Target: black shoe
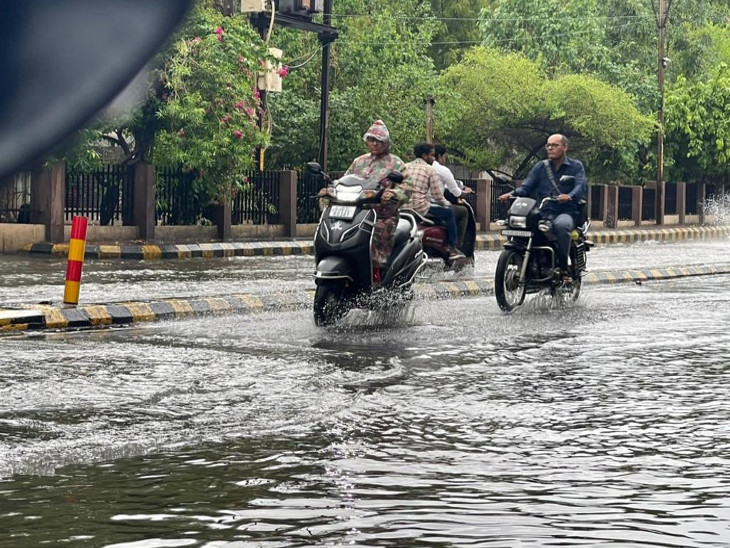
(455, 255)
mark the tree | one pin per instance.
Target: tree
(380, 69)
(509, 107)
(698, 129)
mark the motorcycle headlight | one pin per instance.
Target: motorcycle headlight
(348, 193)
(518, 222)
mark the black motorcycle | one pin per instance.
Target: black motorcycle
(342, 253)
(528, 263)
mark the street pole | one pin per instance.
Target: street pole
(661, 67)
(326, 41)
(429, 119)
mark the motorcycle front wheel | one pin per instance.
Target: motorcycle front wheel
(510, 294)
(329, 304)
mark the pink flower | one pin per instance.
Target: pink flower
(256, 94)
(226, 118)
(239, 105)
(196, 40)
(238, 134)
(219, 31)
(250, 111)
(241, 58)
(284, 71)
(181, 133)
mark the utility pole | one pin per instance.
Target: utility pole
(429, 119)
(662, 14)
(326, 40)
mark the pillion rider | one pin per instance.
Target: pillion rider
(543, 181)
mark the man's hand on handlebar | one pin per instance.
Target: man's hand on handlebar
(504, 197)
(562, 198)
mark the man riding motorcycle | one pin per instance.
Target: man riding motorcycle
(543, 180)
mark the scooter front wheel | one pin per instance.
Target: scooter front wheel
(507, 288)
(329, 303)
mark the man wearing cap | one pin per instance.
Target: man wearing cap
(374, 166)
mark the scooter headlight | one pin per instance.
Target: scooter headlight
(348, 193)
(517, 221)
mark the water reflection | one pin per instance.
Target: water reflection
(599, 424)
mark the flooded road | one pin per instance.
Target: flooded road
(600, 424)
(32, 279)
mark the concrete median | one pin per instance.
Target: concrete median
(52, 317)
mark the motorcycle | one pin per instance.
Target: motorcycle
(342, 251)
(528, 262)
(436, 240)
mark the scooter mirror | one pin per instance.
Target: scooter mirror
(63, 60)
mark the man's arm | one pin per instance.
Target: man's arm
(447, 178)
(528, 185)
(434, 186)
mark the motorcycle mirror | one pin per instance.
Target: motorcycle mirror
(314, 168)
(63, 60)
(566, 183)
(395, 176)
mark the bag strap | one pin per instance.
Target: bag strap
(551, 176)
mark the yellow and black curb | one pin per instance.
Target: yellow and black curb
(485, 241)
(177, 251)
(91, 316)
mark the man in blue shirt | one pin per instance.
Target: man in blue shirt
(564, 213)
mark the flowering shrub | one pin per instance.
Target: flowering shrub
(211, 107)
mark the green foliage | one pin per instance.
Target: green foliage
(698, 128)
(458, 29)
(380, 69)
(509, 108)
(209, 108)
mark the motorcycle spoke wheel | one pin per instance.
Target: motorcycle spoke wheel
(507, 288)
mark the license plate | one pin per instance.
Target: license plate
(517, 233)
(342, 212)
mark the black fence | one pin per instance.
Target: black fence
(498, 210)
(596, 212)
(648, 205)
(308, 185)
(178, 202)
(625, 200)
(15, 200)
(691, 206)
(670, 199)
(105, 195)
(257, 202)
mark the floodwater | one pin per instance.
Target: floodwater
(604, 423)
(32, 279)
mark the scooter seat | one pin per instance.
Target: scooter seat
(420, 219)
(402, 233)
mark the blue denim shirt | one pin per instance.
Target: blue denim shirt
(538, 183)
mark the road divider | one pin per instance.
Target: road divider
(126, 313)
(485, 241)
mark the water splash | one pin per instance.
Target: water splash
(717, 210)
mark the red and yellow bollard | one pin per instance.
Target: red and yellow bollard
(76, 250)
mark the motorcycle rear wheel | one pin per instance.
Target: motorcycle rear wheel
(507, 288)
(329, 304)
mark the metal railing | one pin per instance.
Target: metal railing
(105, 195)
(257, 202)
(625, 202)
(648, 206)
(177, 201)
(308, 185)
